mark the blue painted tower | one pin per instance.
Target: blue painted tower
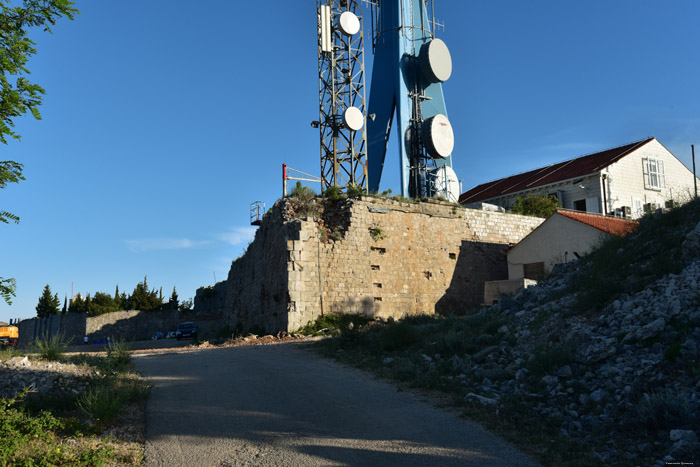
(410, 65)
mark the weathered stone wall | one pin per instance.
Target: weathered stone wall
(128, 325)
(376, 256)
(255, 295)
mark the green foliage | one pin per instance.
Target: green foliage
(376, 232)
(143, 299)
(393, 337)
(7, 289)
(51, 348)
(536, 205)
(10, 172)
(333, 324)
(118, 354)
(302, 193)
(22, 96)
(49, 431)
(48, 304)
(333, 193)
(186, 306)
(628, 264)
(7, 353)
(355, 191)
(101, 404)
(303, 201)
(173, 302)
(100, 304)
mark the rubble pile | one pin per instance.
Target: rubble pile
(45, 378)
(629, 373)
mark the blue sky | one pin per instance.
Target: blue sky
(165, 119)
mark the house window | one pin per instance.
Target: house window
(580, 205)
(654, 176)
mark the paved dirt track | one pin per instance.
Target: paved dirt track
(283, 405)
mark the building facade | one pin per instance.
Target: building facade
(626, 181)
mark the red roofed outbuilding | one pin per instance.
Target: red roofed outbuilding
(563, 237)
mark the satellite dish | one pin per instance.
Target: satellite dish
(349, 24)
(353, 119)
(438, 136)
(435, 61)
(446, 182)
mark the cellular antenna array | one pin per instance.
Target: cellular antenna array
(410, 65)
(342, 112)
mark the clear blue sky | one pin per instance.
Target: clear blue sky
(165, 119)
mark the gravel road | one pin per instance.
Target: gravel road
(283, 405)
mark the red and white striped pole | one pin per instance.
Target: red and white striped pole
(284, 180)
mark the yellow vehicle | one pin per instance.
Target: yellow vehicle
(9, 335)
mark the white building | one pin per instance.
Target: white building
(626, 181)
(563, 237)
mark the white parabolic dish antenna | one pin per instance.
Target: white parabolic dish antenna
(349, 24)
(446, 182)
(435, 61)
(353, 119)
(438, 136)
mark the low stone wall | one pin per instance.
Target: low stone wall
(132, 325)
(376, 256)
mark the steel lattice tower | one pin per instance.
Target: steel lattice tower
(341, 71)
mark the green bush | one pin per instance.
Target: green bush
(7, 353)
(118, 354)
(393, 337)
(101, 404)
(355, 191)
(536, 205)
(51, 348)
(333, 193)
(333, 324)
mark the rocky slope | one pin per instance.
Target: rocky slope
(628, 372)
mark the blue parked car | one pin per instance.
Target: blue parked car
(185, 330)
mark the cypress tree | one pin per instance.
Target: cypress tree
(48, 304)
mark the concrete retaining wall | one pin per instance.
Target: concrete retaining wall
(130, 326)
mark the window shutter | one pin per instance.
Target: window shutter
(662, 174)
(645, 172)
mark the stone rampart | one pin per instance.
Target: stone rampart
(132, 325)
(376, 256)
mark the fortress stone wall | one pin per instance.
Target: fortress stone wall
(376, 256)
(132, 325)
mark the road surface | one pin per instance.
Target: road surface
(282, 405)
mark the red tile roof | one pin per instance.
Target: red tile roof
(611, 225)
(584, 165)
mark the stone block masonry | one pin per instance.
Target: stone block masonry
(132, 325)
(376, 256)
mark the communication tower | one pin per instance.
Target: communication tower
(341, 71)
(410, 65)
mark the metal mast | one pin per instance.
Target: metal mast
(410, 65)
(341, 71)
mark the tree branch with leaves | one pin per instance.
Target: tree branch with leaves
(18, 95)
